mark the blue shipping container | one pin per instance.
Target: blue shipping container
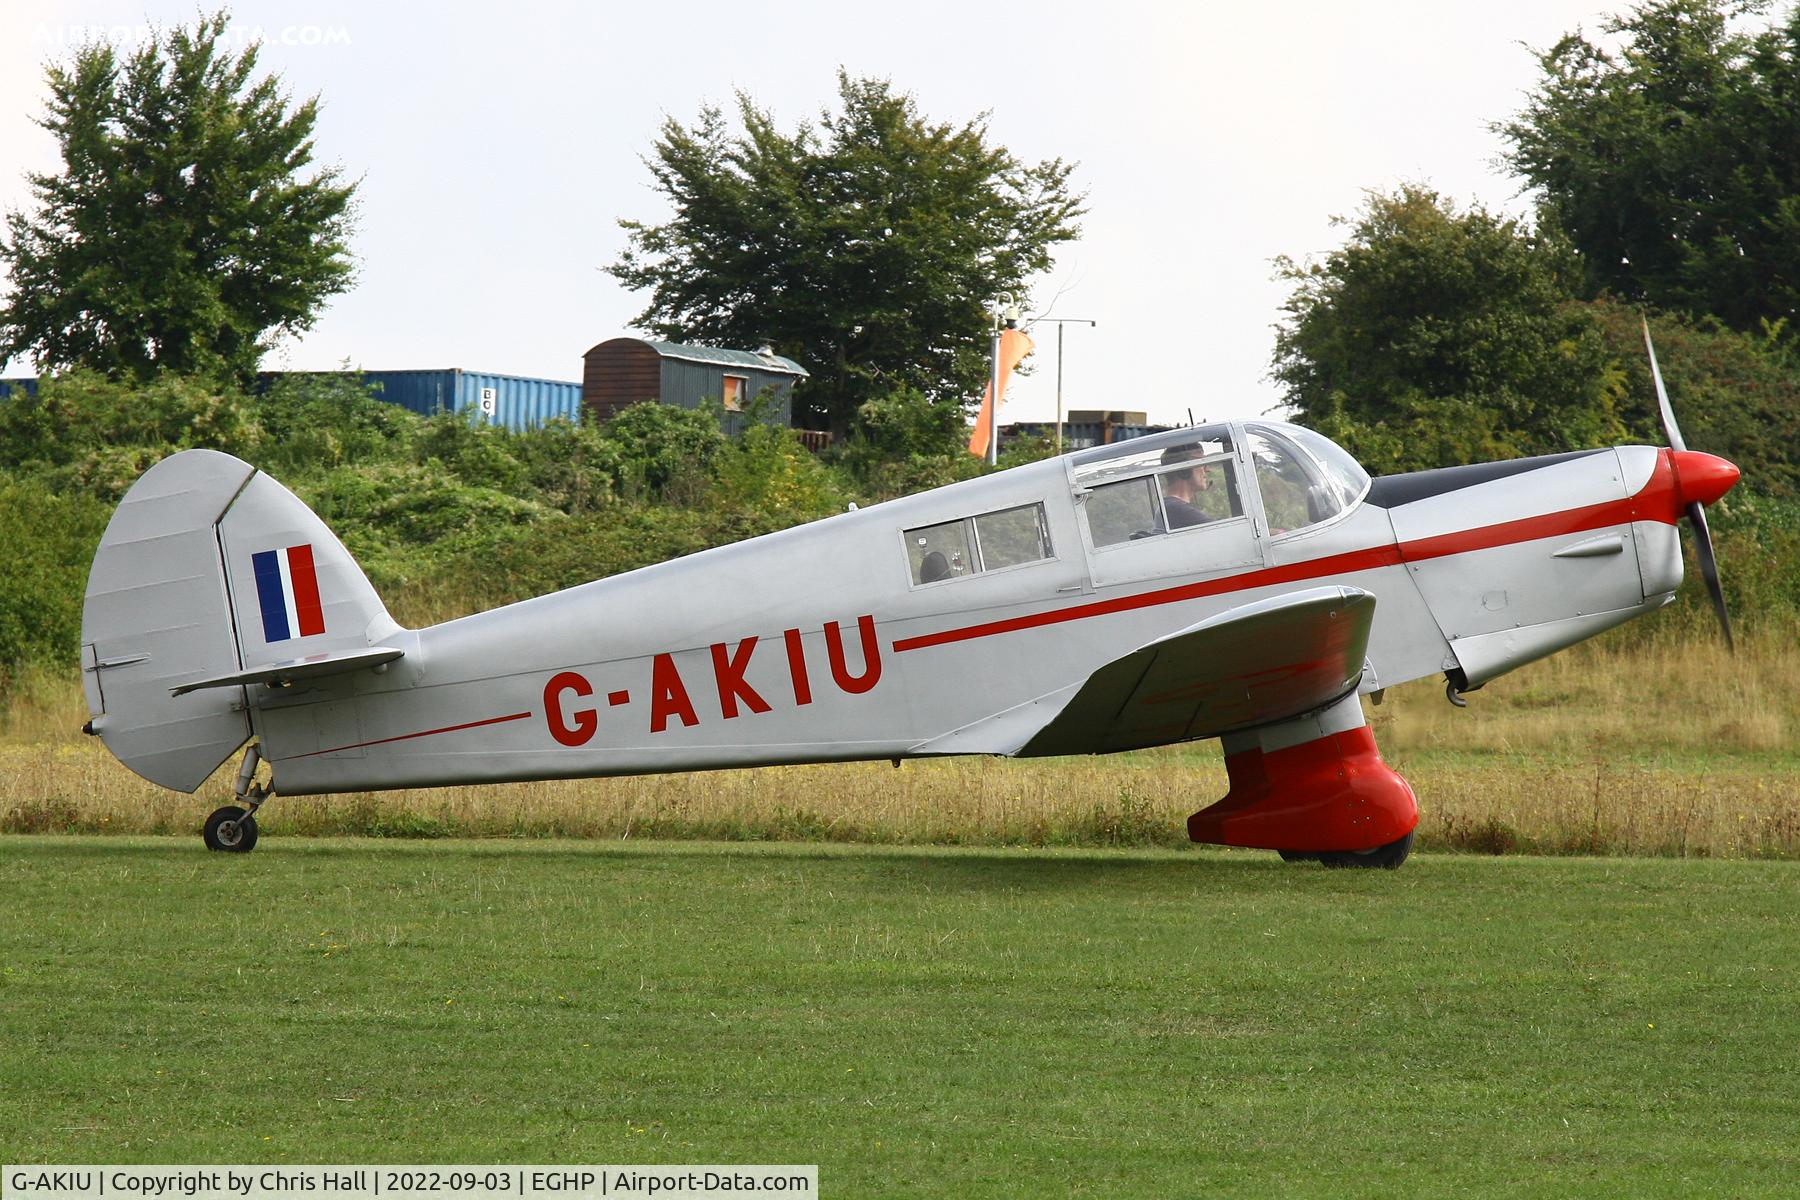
(515, 401)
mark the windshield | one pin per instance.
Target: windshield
(1305, 479)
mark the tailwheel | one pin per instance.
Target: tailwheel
(230, 828)
(1388, 857)
(233, 828)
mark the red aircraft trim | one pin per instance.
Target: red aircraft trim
(1355, 560)
(422, 733)
(1658, 501)
(1330, 794)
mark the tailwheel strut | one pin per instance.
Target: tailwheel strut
(231, 827)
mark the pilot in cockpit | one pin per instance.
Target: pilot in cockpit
(1181, 489)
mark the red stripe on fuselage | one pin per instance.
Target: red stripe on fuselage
(1335, 564)
(422, 733)
(1655, 502)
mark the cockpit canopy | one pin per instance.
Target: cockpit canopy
(1192, 476)
(1305, 479)
(1222, 489)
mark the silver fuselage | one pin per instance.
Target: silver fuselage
(819, 643)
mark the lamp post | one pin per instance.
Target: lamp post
(1059, 322)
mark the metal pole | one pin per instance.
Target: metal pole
(993, 401)
(1059, 322)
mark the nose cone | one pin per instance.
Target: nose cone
(1702, 478)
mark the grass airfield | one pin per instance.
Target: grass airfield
(918, 1021)
(1667, 747)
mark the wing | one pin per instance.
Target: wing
(1248, 666)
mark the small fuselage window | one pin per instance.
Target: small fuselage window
(967, 546)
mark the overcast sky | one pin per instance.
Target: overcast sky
(498, 146)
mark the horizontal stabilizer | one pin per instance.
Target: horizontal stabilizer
(312, 666)
(1262, 662)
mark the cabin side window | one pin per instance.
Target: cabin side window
(1171, 484)
(1120, 512)
(1008, 537)
(939, 552)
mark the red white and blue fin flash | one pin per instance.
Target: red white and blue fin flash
(287, 589)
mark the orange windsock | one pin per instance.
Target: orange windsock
(1015, 344)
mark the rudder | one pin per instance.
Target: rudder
(208, 567)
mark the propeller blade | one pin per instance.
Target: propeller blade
(1671, 430)
(1709, 569)
(1696, 512)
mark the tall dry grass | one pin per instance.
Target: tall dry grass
(1664, 746)
(1675, 693)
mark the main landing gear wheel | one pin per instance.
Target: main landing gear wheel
(230, 828)
(1388, 857)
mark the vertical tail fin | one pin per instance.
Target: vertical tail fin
(209, 567)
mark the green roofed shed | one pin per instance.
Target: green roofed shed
(625, 370)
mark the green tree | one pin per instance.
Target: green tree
(85, 433)
(864, 245)
(313, 421)
(181, 232)
(906, 422)
(1434, 337)
(50, 541)
(903, 442)
(664, 451)
(1673, 164)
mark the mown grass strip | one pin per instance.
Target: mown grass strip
(931, 1022)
